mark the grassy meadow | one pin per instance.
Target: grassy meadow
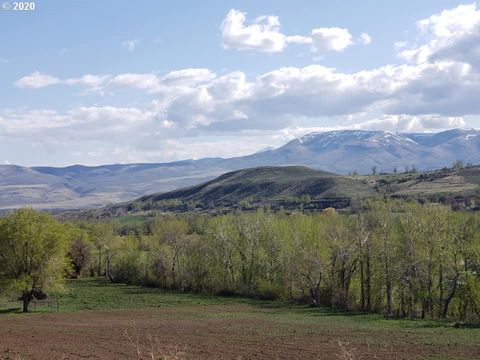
(357, 330)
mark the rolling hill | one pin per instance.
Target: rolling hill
(301, 188)
(345, 151)
(269, 183)
(460, 186)
(287, 187)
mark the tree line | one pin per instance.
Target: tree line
(398, 258)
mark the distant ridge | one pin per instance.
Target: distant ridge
(274, 187)
(342, 152)
(294, 188)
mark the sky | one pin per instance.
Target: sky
(97, 82)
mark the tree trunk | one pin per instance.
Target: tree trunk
(401, 310)
(388, 288)
(446, 302)
(362, 287)
(369, 293)
(26, 302)
(410, 298)
(440, 290)
(174, 277)
(108, 267)
(99, 262)
(146, 273)
(314, 295)
(174, 269)
(430, 298)
(314, 288)
(389, 298)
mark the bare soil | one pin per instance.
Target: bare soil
(206, 332)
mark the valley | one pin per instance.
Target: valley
(341, 152)
(301, 189)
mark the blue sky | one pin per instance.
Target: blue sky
(96, 82)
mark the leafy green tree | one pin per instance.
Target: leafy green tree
(380, 213)
(363, 234)
(451, 258)
(344, 255)
(102, 237)
(33, 253)
(173, 233)
(421, 231)
(129, 263)
(80, 250)
(310, 254)
(395, 257)
(221, 250)
(249, 228)
(470, 238)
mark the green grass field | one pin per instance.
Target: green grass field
(100, 295)
(303, 321)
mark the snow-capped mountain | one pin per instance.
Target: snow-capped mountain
(355, 150)
(344, 151)
(336, 151)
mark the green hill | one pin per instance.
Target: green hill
(287, 187)
(458, 187)
(294, 188)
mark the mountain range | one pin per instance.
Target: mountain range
(299, 188)
(345, 151)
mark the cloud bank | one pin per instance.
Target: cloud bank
(436, 87)
(264, 34)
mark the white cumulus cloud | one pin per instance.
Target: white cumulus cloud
(130, 45)
(264, 35)
(453, 34)
(365, 39)
(330, 39)
(36, 80)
